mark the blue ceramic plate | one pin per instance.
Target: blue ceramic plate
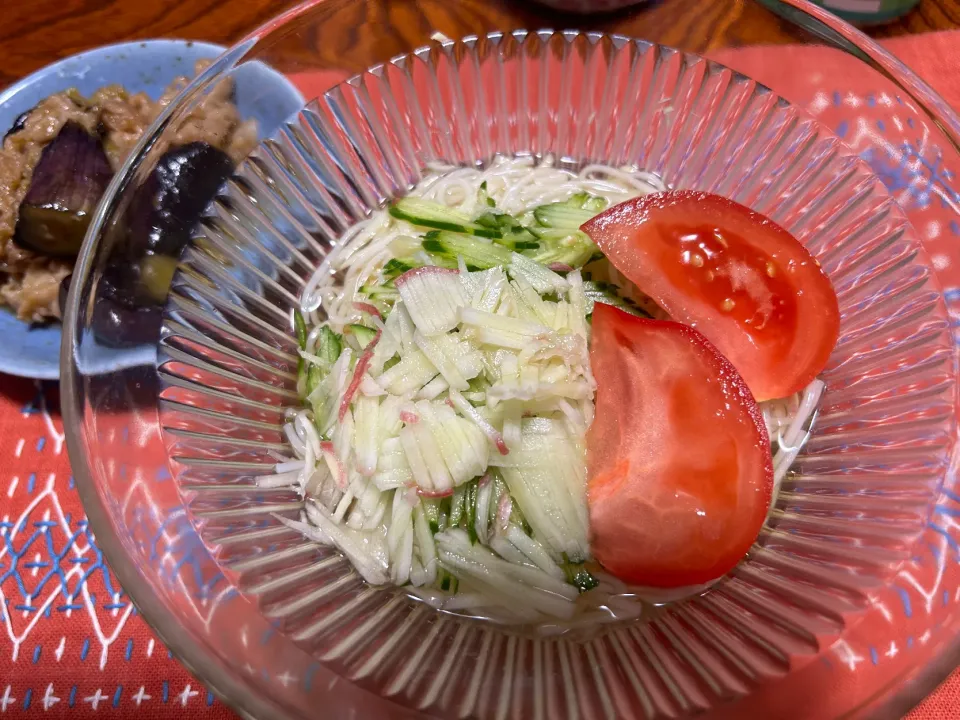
(148, 66)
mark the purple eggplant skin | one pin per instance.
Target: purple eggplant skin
(170, 203)
(20, 123)
(120, 318)
(67, 183)
(164, 211)
(118, 325)
(116, 321)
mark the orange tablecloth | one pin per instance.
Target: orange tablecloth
(71, 642)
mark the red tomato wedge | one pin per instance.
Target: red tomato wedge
(678, 459)
(736, 276)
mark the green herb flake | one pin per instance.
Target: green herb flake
(578, 575)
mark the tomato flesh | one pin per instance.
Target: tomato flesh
(679, 467)
(748, 285)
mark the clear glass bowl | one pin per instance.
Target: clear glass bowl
(166, 449)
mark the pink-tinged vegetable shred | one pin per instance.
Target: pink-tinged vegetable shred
(326, 448)
(426, 270)
(362, 364)
(504, 508)
(368, 309)
(430, 494)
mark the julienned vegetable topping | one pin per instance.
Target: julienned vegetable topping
(450, 441)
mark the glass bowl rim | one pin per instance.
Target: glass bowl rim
(196, 658)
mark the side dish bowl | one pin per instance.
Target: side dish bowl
(148, 66)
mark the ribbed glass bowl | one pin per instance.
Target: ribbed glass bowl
(169, 449)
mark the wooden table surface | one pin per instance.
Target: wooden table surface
(36, 32)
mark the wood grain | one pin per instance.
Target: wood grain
(36, 33)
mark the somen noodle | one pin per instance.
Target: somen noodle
(441, 446)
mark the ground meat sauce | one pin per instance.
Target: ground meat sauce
(30, 282)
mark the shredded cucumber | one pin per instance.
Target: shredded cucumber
(564, 248)
(327, 351)
(607, 294)
(562, 216)
(483, 198)
(457, 509)
(300, 326)
(542, 279)
(476, 253)
(450, 392)
(432, 297)
(359, 336)
(328, 345)
(434, 215)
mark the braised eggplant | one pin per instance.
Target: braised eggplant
(20, 123)
(70, 178)
(120, 318)
(162, 217)
(169, 204)
(119, 325)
